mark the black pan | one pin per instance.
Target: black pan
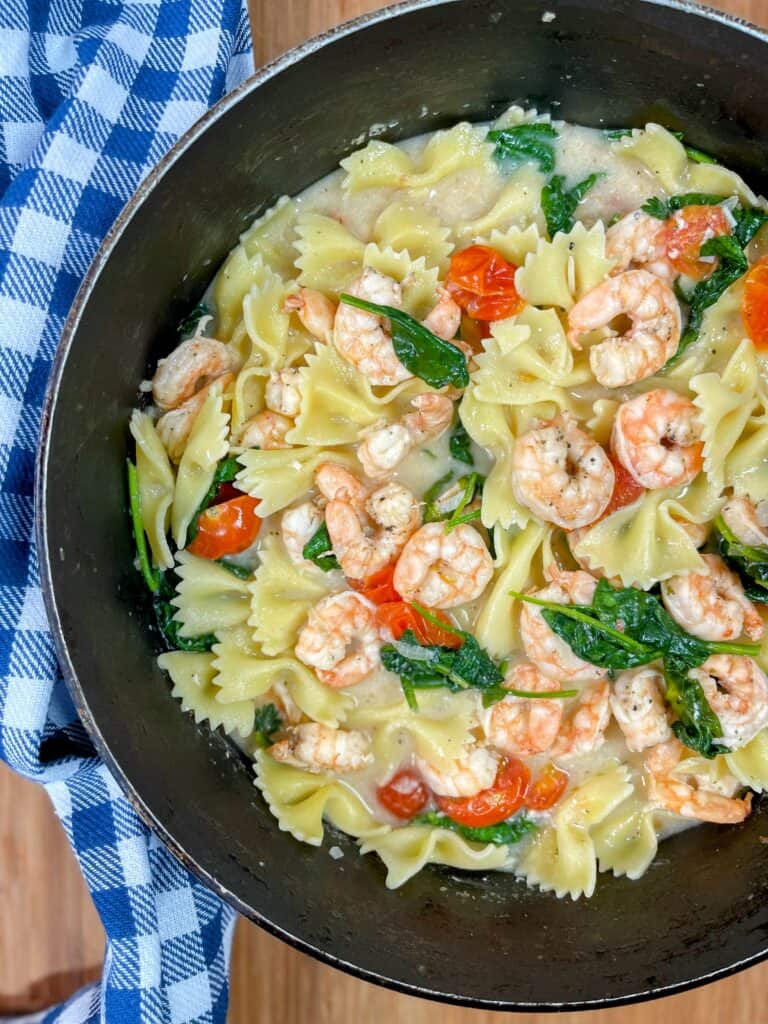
(701, 910)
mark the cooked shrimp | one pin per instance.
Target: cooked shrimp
(562, 474)
(361, 552)
(712, 605)
(298, 525)
(520, 725)
(584, 731)
(638, 706)
(467, 776)
(382, 450)
(363, 338)
(175, 426)
(283, 391)
(675, 786)
(650, 341)
(192, 364)
(747, 521)
(444, 319)
(320, 748)
(637, 240)
(657, 438)
(549, 653)
(340, 640)
(737, 690)
(314, 310)
(265, 430)
(337, 484)
(442, 570)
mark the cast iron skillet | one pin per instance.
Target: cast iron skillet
(701, 910)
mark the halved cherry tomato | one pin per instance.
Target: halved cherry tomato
(227, 529)
(398, 616)
(547, 789)
(686, 231)
(493, 805)
(404, 795)
(378, 588)
(625, 488)
(754, 305)
(482, 282)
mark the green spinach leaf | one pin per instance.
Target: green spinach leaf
(748, 223)
(240, 571)
(428, 357)
(319, 550)
(266, 723)
(503, 834)
(189, 324)
(559, 203)
(460, 445)
(664, 208)
(698, 726)
(525, 143)
(169, 628)
(749, 562)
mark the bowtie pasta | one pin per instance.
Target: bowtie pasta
(452, 500)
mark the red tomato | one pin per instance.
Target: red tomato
(226, 492)
(625, 489)
(547, 789)
(226, 529)
(493, 805)
(482, 282)
(754, 306)
(686, 231)
(398, 616)
(404, 795)
(378, 588)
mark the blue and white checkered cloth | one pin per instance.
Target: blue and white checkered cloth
(92, 94)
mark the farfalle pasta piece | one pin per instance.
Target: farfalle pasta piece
(377, 165)
(750, 763)
(626, 841)
(488, 425)
(514, 244)
(247, 396)
(330, 256)
(411, 227)
(192, 676)
(496, 627)
(206, 446)
(302, 801)
(562, 857)
(156, 486)
(405, 851)
(646, 542)
(560, 272)
(526, 360)
(282, 594)
(722, 331)
(208, 597)
(746, 466)
(418, 281)
(725, 402)
(274, 343)
(716, 180)
(244, 673)
(272, 237)
(278, 477)
(662, 154)
(439, 731)
(518, 205)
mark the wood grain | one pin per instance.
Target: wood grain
(51, 940)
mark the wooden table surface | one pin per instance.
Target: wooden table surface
(51, 940)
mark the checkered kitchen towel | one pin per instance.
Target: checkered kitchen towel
(92, 94)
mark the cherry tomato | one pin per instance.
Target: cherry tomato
(547, 789)
(226, 529)
(482, 282)
(404, 795)
(398, 616)
(625, 489)
(378, 588)
(754, 306)
(492, 805)
(686, 231)
(226, 492)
